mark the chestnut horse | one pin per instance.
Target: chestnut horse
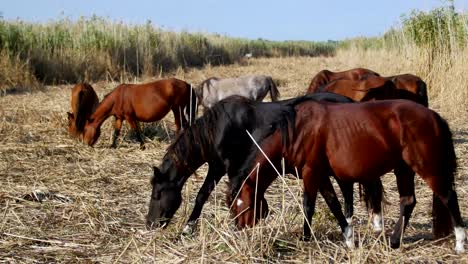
(410, 87)
(84, 102)
(219, 138)
(357, 143)
(324, 77)
(147, 102)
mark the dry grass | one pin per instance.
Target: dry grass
(109, 189)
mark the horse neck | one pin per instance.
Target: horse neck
(188, 152)
(103, 111)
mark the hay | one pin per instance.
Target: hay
(107, 191)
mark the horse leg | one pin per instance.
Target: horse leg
(329, 194)
(309, 197)
(117, 127)
(445, 210)
(405, 183)
(308, 203)
(215, 173)
(177, 118)
(133, 123)
(347, 190)
(373, 198)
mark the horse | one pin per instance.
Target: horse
(324, 77)
(84, 102)
(356, 143)
(147, 102)
(254, 87)
(375, 88)
(219, 138)
(412, 84)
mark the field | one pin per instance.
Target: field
(97, 198)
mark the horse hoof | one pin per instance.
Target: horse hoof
(142, 147)
(305, 238)
(459, 250)
(348, 235)
(394, 244)
(188, 229)
(377, 221)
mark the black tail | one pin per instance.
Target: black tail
(373, 194)
(274, 93)
(441, 218)
(422, 92)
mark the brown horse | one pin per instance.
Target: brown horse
(324, 77)
(84, 102)
(357, 90)
(357, 143)
(143, 102)
(412, 84)
(405, 86)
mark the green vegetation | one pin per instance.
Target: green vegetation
(441, 30)
(95, 49)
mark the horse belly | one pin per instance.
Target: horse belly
(151, 110)
(362, 162)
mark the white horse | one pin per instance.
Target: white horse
(254, 87)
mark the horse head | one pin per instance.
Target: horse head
(91, 133)
(165, 199)
(244, 210)
(72, 129)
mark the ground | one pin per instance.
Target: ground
(95, 199)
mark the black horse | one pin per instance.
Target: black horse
(218, 137)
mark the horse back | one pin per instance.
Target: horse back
(324, 77)
(355, 89)
(375, 134)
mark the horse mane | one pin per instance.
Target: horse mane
(198, 137)
(83, 111)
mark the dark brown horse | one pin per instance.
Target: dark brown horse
(84, 102)
(324, 77)
(358, 89)
(358, 143)
(143, 102)
(412, 84)
(369, 88)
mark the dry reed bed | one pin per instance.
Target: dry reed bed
(109, 189)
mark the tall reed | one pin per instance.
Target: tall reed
(66, 51)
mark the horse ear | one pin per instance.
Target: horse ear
(70, 116)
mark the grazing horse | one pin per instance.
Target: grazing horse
(84, 102)
(219, 138)
(147, 102)
(254, 87)
(357, 142)
(409, 87)
(324, 77)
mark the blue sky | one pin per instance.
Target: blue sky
(273, 20)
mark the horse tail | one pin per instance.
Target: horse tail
(441, 219)
(274, 93)
(422, 92)
(372, 194)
